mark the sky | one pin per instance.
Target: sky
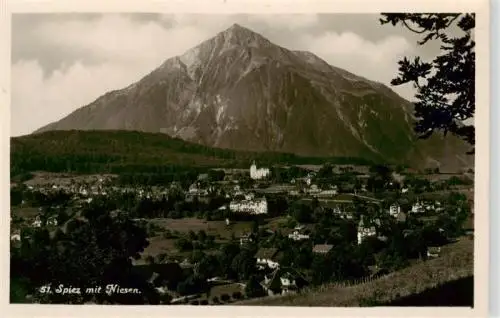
(61, 62)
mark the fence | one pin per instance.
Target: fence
(328, 286)
(346, 283)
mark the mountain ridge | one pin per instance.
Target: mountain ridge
(240, 91)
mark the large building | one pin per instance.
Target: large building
(258, 173)
(253, 206)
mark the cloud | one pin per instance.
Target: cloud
(286, 21)
(120, 39)
(112, 51)
(126, 49)
(38, 100)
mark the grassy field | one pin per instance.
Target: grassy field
(455, 262)
(158, 245)
(25, 212)
(276, 223)
(217, 228)
(222, 232)
(42, 178)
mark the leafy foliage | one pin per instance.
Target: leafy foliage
(253, 288)
(91, 250)
(446, 86)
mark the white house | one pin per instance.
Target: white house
(328, 193)
(336, 210)
(245, 239)
(394, 209)
(308, 180)
(52, 221)
(266, 257)
(439, 207)
(297, 236)
(16, 235)
(314, 189)
(37, 222)
(283, 281)
(365, 231)
(258, 173)
(346, 215)
(417, 208)
(310, 177)
(433, 251)
(287, 281)
(194, 189)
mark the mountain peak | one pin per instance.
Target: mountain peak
(235, 28)
(242, 36)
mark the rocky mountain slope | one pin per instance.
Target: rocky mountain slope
(238, 90)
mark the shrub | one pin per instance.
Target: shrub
(168, 235)
(204, 302)
(195, 302)
(166, 299)
(253, 288)
(225, 297)
(368, 302)
(215, 300)
(237, 295)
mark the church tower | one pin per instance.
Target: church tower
(253, 170)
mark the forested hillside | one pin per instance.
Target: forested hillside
(134, 152)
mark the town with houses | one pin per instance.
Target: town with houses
(253, 233)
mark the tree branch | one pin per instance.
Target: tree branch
(451, 21)
(411, 29)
